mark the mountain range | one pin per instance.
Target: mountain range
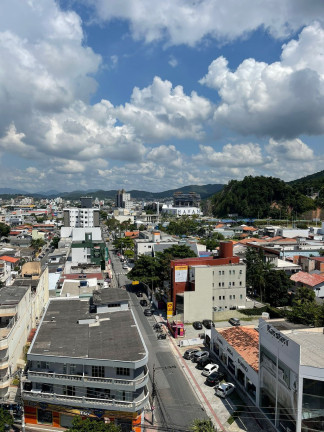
(205, 191)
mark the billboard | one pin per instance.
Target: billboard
(169, 309)
(181, 273)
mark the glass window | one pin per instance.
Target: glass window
(44, 416)
(123, 371)
(220, 298)
(223, 297)
(72, 369)
(241, 296)
(98, 371)
(230, 297)
(69, 390)
(233, 296)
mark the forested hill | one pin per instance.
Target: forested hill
(310, 184)
(260, 197)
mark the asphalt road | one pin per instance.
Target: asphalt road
(176, 405)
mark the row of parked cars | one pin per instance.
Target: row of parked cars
(214, 377)
(198, 325)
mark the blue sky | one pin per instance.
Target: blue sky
(152, 95)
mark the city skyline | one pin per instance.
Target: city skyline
(158, 95)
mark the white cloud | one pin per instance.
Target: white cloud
(232, 155)
(292, 150)
(160, 111)
(189, 22)
(44, 64)
(283, 99)
(173, 62)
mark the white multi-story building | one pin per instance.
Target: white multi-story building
(123, 200)
(21, 306)
(203, 287)
(89, 359)
(81, 217)
(291, 377)
(181, 211)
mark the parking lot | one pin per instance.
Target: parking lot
(235, 412)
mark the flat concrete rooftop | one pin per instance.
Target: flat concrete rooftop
(116, 337)
(311, 343)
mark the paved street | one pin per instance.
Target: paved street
(176, 403)
(182, 394)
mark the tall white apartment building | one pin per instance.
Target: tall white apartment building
(81, 217)
(123, 200)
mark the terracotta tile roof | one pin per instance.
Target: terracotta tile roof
(321, 259)
(248, 228)
(308, 279)
(131, 233)
(220, 225)
(271, 239)
(9, 259)
(286, 240)
(250, 240)
(14, 232)
(245, 341)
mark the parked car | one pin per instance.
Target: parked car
(209, 369)
(189, 353)
(125, 266)
(214, 378)
(208, 323)
(199, 355)
(234, 321)
(197, 325)
(143, 302)
(201, 363)
(148, 312)
(224, 389)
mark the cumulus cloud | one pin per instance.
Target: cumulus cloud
(44, 64)
(292, 150)
(237, 155)
(283, 99)
(189, 22)
(160, 111)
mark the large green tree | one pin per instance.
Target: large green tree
(88, 425)
(305, 310)
(37, 243)
(155, 270)
(212, 241)
(277, 285)
(123, 243)
(6, 420)
(145, 270)
(4, 229)
(164, 259)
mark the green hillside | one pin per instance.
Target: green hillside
(310, 184)
(260, 197)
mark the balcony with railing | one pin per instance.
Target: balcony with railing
(88, 402)
(4, 362)
(4, 381)
(84, 380)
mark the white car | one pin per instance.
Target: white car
(209, 369)
(224, 389)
